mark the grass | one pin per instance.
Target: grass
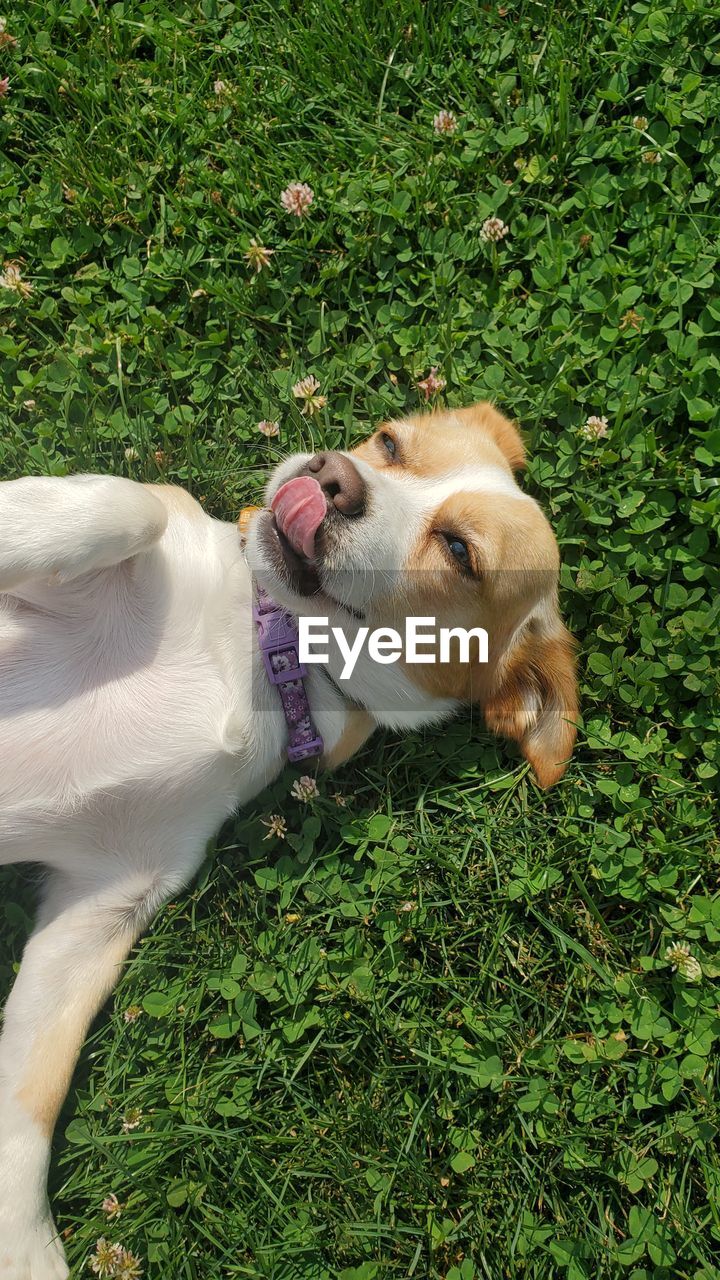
(433, 1032)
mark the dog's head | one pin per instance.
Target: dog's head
(425, 519)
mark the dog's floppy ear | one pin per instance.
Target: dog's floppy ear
(533, 697)
(498, 428)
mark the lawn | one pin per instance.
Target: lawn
(447, 1025)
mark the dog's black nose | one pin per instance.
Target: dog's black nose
(340, 481)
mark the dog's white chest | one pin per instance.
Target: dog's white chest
(130, 689)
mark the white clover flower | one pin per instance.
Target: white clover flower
(127, 1267)
(258, 256)
(111, 1206)
(306, 390)
(631, 320)
(131, 1120)
(678, 955)
(304, 789)
(594, 428)
(445, 122)
(297, 198)
(11, 278)
(493, 230)
(305, 387)
(432, 383)
(106, 1258)
(276, 825)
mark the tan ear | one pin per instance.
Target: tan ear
(500, 430)
(534, 698)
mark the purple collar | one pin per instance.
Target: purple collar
(279, 647)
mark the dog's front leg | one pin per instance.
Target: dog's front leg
(70, 965)
(60, 527)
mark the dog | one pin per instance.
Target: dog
(141, 704)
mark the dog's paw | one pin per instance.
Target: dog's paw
(31, 1251)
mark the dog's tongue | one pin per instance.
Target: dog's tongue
(299, 508)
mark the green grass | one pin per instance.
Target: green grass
(432, 1033)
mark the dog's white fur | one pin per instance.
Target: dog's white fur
(135, 716)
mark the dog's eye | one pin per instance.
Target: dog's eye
(458, 550)
(388, 444)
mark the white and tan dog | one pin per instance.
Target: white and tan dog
(135, 712)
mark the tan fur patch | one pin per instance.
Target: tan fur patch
(535, 701)
(485, 418)
(48, 1074)
(358, 727)
(53, 1054)
(527, 689)
(177, 499)
(432, 443)
(515, 562)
